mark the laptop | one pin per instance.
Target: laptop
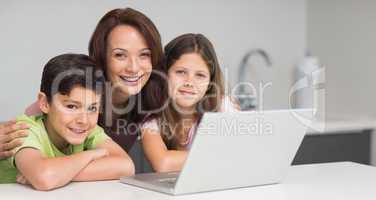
(234, 150)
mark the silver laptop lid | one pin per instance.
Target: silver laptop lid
(241, 149)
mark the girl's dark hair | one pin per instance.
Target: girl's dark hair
(64, 72)
(191, 43)
(150, 97)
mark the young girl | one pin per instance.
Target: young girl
(195, 86)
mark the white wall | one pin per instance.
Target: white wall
(342, 34)
(34, 31)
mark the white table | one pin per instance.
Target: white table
(343, 124)
(344, 180)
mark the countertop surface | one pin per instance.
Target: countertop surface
(343, 180)
(342, 125)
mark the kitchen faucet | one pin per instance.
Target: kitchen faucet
(247, 102)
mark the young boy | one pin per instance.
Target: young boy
(65, 143)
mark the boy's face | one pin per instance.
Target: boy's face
(73, 116)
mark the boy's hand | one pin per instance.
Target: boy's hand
(22, 180)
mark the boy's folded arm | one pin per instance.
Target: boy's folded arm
(49, 173)
(113, 166)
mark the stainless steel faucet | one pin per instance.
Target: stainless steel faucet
(247, 102)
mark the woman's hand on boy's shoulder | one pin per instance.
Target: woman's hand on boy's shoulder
(10, 134)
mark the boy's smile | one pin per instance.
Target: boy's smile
(70, 118)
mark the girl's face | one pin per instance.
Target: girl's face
(128, 60)
(188, 80)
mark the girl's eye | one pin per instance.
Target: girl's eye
(93, 109)
(180, 72)
(201, 75)
(71, 106)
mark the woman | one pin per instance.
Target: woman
(127, 45)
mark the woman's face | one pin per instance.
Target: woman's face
(128, 60)
(188, 80)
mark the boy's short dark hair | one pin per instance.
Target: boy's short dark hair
(64, 72)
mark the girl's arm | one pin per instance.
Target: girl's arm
(161, 159)
(113, 166)
(49, 173)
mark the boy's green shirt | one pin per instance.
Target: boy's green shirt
(38, 139)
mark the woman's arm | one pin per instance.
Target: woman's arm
(113, 166)
(10, 137)
(161, 159)
(49, 173)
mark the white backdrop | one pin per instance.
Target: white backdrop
(34, 31)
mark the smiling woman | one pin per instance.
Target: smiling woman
(129, 61)
(128, 46)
